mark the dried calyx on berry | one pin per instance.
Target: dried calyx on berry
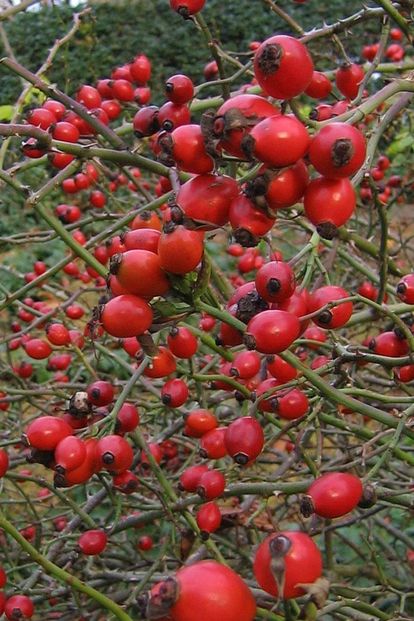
(79, 404)
(157, 602)
(250, 305)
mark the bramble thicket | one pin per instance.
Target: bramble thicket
(207, 296)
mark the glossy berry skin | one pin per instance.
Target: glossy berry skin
(126, 315)
(142, 239)
(187, 7)
(348, 79)
(272, 331)
(191, 476)
(207, 199)
(291, 404)
(235, 118)
(4, 465)
(287, 186)
(100, 393)
(3, 578)
(245, 365)
(89, 96)
(335, 317)
(92, 542)
(275, 281)
(244, 440)
(188, 149)
(280, 369)
(278, 141)
(172, 115)
(145, 121)
(199, 422)
(69, 454)
(45, 433)
(41, 117)
(18, 607)
(314, 333)
(329, 203)
(179, 89)
(122, 90)
(182, 342)
(174, 393)
(319, 87)
(213, 590)
(212, 443)
(66, 132)
(389, 344)
(127, 419)
(248, 222)
(367, 290)
(405, 289)
(140, 69)
(38, 349)
(405, 374)
(97, 199)
(208, 518)
(335, 494)
(338, 150)
(57, 108)
(302, 561)
(162, 364)
(139, 271)
(114, 453)
(145, 543)
(283, 66)
(58, 334)
(126, 482)
(211, 484)
(180, 250)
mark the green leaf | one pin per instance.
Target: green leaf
(6, 113)
(400, 145)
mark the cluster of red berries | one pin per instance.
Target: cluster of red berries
(161, 262)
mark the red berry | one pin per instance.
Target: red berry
(211, 484)
(45, 433)
(208, 518)
(405, 289)
(114, 453)
(212, 443)
(179, 89)
(348, 78)
(18, 607)
(319, 87)
(329, 203)
(275, 281)
(296, 553)
(334, 317)
(337, 150)
(335, 494)
(244, 440)
(174, 393)
(92, 542)
(272, 331)
(126, 316)
(283, 67)
(278, 141)
(213, 590)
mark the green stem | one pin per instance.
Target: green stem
(396, 16)
(61, 574)
(337, 397)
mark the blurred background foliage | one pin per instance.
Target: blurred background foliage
(116, 31)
